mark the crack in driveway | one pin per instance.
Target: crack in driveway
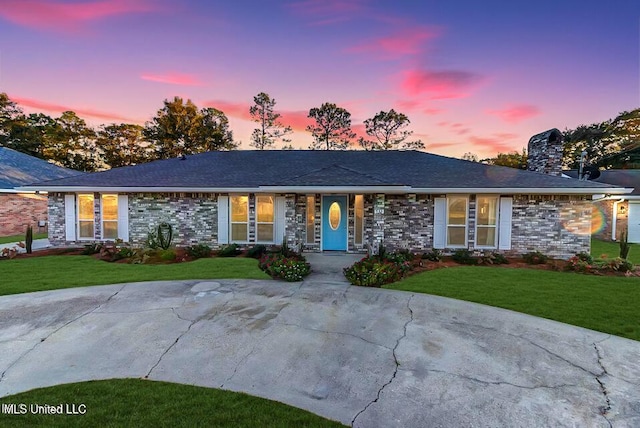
(395, 360)
(24, 354)
(604, 410)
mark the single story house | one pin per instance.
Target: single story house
(615, 213)
(328, 200)
(20, 208)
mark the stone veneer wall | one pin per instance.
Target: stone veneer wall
(558, 226)
(18, 210)
(194, 216)
(408, 222)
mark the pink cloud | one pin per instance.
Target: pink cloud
(296, 119)
(327, 12)
(57, 108)
(416, 105)
(440, 145)
(441, 84)
(238, 110)
(456, 127)
(407, 42)
(172, 79)
(67, 16)
(516, 113)
(501, 142)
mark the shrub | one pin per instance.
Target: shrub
(535, 258)
(433, 255)
(464, 257)
(624, 244)
(493, 259)
(375, 271)
(576, 264)
(398, 256)
(230, 250)
(257, 251)
(198, 251)
(617, 265)
(91, 249)
(585, 257)
(279, 266)
(28, 239)
(168, 255)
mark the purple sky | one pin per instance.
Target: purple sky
(472, 76)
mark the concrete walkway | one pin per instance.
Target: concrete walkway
(365, 357)
(38, 244)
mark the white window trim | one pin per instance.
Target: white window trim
(102, 220)
(272, 223)
(306, 220)
(495, 226)
(466, 222)
(231, 222)
(354, 221)
(78, 219)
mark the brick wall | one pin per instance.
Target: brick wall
(17, 211)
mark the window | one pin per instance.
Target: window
(456, 221)
(239, 218)
(486, 221)
(109, 205)
(265, 218)
(359, 219)
(311, 219)
(86, 219)
(335, 215)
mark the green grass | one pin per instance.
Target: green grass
(134, 402)
(55, 272)
(18, 238)
(603, 303)
(612, 250)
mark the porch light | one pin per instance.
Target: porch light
(622, 209)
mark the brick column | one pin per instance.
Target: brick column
(378, 222)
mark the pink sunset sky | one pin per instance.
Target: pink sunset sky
(477, 77)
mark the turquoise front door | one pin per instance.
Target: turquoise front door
(334, 223)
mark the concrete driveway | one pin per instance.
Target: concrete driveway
(365, 357)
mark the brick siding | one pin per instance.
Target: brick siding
(17, 211)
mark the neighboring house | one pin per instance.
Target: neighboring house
(328, 200)
(19, 208)
(616, 213)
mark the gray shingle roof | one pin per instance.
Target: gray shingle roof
(19, 169)
(617, 177)
(244, 168)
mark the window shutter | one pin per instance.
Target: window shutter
(223, 219)
(70, 217)
(280, 219)
(439, 223)
(504, 234)
(123, 217)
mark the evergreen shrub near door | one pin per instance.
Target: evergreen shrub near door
(375, 271)
(292, 267)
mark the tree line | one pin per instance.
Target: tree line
(181, 128)
(612, 144)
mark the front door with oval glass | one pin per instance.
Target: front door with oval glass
(334, 223)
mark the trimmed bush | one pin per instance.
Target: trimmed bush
(433, 256)
(198, 251)
(257, 251)
(230, 250)
(535, 258)
(464, 257)
(375, 271)
(168, 255)
(279, 266)
(493, 259)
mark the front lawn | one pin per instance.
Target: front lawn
(603, 303)
(19, 238)
(143, 403)
(23, 275)
(612, 250)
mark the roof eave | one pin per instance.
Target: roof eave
(337, 189)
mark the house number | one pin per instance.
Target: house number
(378, 210)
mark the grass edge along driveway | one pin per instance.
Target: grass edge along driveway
(135, 402)
(57, 272)
(603, 303)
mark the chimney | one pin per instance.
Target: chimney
(544, 152)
